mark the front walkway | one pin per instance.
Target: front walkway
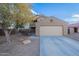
(74, 36)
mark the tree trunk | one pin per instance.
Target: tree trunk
(7, 36)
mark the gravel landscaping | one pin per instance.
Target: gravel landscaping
(20, 46)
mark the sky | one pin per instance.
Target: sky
(68, 12)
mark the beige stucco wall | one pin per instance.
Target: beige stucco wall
(45, 21)
(71, 30)
(78, 29)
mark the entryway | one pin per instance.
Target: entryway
(75, 30)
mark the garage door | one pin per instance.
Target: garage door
(51, 31)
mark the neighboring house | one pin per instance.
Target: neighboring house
(50, 26)
(73, 28)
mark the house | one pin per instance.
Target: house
(73, 28)
(50, 26)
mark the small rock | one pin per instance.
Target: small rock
(26, 41)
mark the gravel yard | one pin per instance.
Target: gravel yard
(17, 48)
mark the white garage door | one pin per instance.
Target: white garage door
(51, 31)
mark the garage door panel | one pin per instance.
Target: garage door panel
(50, 30)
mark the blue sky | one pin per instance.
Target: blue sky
(65, 11)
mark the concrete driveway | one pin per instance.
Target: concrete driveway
(58, 46)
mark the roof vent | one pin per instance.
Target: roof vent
(51, 20)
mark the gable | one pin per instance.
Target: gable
(43, 20)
